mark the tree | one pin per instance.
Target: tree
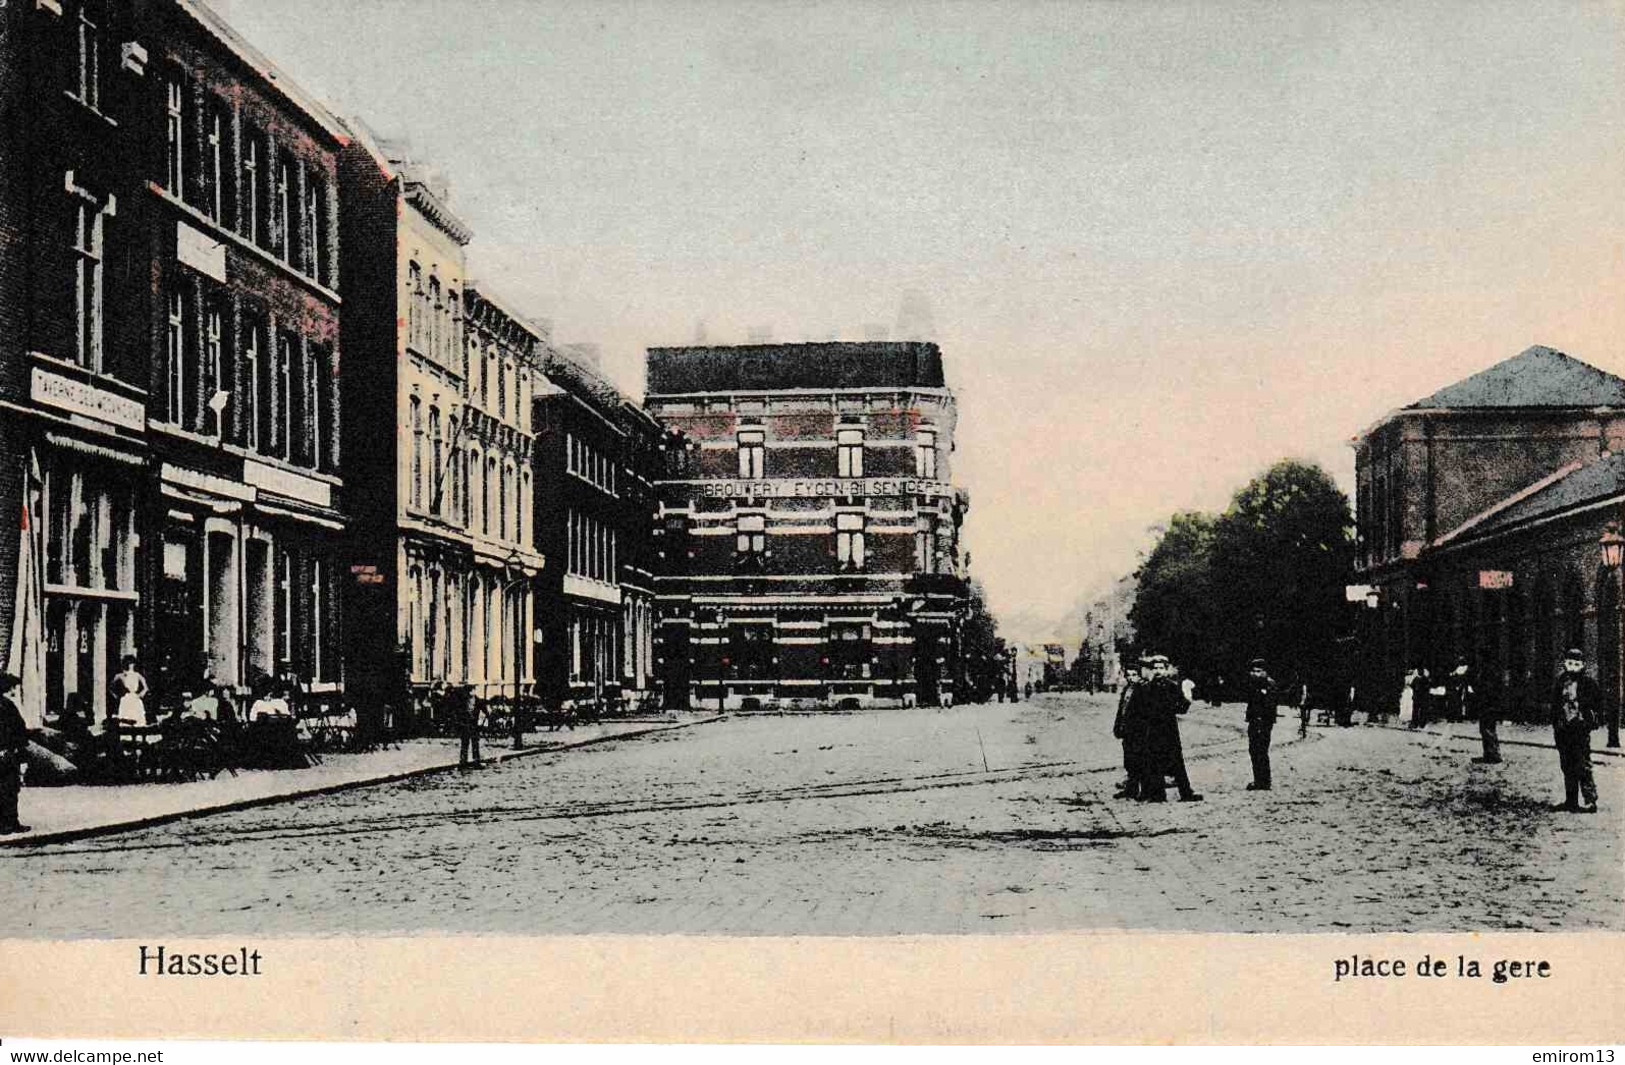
(1174, 608)
(1281, 555)
(981, 651)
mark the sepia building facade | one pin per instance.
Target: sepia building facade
(809, 532)
(1482, 513)
(170, 278)
(438, 589)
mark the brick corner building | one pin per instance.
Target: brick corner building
(809, 533)
(1482, 513)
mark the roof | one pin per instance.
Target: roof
(771, 367)
(261, 64)
(1537, 377)
(1572, 486)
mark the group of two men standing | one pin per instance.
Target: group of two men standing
(1148, 724)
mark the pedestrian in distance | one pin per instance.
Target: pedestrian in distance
(13, 752)
(1161, 701)
(1576, 710)
(468, 727)
(1303, 710)
(1480, 704)
(1262, 709)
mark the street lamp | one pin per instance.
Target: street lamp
(1613, 552)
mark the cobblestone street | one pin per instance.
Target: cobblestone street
(972, 820)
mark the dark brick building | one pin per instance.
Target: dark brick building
(1481, 511)
(809, 532)
(170, 267)
(596, 457)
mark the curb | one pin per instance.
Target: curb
(71, 835)
(1607, 752)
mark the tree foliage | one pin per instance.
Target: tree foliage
(1265, 578)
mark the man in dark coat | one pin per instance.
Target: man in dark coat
(1262, 706)
(1576, 710)
(13, 749)
(1126, 729)
(1478, 701)
(1160, 703)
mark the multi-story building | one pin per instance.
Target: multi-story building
(171, 276)
(1481, 512)
(437, 406)
(506, 353)
(596, 458)
(809, 533)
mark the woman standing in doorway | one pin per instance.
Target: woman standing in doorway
(130, 692)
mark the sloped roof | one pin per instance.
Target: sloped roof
(1573, 486)
(1537, 377)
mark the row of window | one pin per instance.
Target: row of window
(473, 489)
(749, 652)
(238, 177)
(1380, 518)
(589, 463)
(752, 444)
(434, 319)
(592, 548)
(266, 389)
(446, 616)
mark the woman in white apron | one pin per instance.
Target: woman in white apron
(1407, 699)
(130, 688)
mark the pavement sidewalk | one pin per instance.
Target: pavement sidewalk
(57, 815)
(1515, 733)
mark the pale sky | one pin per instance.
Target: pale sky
(1163, 244)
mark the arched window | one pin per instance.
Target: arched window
(1608, 641)
(502, 502)
(454, 472)
(454, 323)
(1544, 667)
(490, 493)
(434, 311)
(414, 305)
(471, 470)
(435, 455)
(524, 506)
(417, 453)
(1574, 613)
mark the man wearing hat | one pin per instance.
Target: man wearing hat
(1576, 710)
(1261, 712)
(1129, 789)
(1160, 702)
(13, 747)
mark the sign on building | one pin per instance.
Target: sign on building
(1494, 580)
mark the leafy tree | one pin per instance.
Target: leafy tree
(1281, 555)
(980, 648)
(1174, 608)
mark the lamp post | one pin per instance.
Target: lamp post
(1613, 553)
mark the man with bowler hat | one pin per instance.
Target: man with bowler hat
(13, 748)
(1576, 710)
(1261, 712)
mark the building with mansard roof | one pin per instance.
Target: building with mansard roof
(1481, 512)
(809, 532)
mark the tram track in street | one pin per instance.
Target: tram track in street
(571, 812)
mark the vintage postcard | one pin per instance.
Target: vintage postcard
(717, 520)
